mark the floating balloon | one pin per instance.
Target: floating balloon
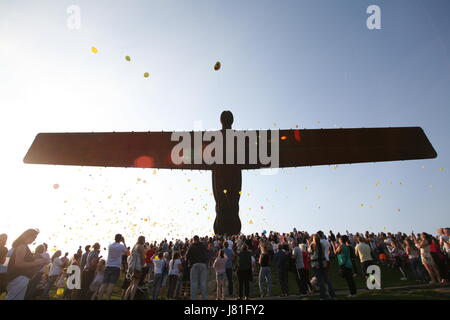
(94, 50)
(127, 58)
(217, 66)
(250, 222)
(146, 74)
(55, 186)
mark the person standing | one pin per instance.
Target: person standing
(364, 253)
(229, 254)
(54, 273)
(265, 276)
(175, 269)
(219, 266)
(159, 265)
(244, 272)
(307, 267)
(88, 274)
(137, 263)
(423, 243)
(345, 264)
(112, 269)
(297, 256)
(84, 256)
(282, 264)
(197, 257)
(414, 261)
(319, 265)
(185, 291)
(22, 265)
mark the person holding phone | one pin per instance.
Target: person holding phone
(113, 263)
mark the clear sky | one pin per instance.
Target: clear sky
(310, 63)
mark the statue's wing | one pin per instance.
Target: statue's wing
(296, 148)
(340, 146)
(109, 149)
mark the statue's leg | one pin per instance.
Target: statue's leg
(227, 203)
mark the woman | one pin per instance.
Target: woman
(427, 260)
(96, 283)
(185, 278)
(345, 263)
(413, 256)
(165, 273)
(307, 266)
(159, 265)
(219, 266)
(438, 258)
(22, 265)
(319, 265)
(54, 273)
(175, 269)
(244, 272)
(265, 277)
(137, 262)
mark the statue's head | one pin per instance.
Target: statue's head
(226, 118)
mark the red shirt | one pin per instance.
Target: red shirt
(306, 260)
(148, 256)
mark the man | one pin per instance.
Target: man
(229, 267)
(281, 262)
(297, 256)
(84, 257)
(326, 248)
(364, 253)
(197, 257)
(112, 271)
(89, 271)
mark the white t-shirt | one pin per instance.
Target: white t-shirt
(56, 268)
(115, 253)
(159, 264)
(326, 248)
(174, 267)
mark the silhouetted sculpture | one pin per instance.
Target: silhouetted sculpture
(297, 148)
(227, 185)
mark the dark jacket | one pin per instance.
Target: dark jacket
(244, 261)
(281, 260)
(197, 253)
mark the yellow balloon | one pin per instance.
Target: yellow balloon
(94, 50)
(146, 74)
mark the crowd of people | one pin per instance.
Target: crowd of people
(179, 269)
